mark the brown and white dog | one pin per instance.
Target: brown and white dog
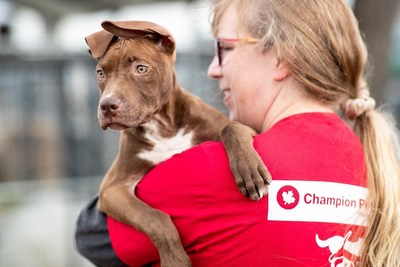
(140, 96)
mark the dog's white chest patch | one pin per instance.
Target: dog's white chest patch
(164, 148)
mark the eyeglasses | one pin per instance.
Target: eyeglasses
(220, 49)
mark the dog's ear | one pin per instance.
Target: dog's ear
(98, 43)
(140, 29)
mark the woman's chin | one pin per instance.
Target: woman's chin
(232, 116)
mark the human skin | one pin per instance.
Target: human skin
(258, 91)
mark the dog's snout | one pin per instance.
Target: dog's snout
(109, 106)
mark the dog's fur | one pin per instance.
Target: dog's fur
(141, 97)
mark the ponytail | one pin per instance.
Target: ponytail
(380, 139)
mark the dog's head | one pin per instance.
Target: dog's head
(135, 71)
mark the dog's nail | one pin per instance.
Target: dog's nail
(244, 192)
(262, 193)
(267, 181)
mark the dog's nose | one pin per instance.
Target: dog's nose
(109, 106)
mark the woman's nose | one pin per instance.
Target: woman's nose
(214, 70)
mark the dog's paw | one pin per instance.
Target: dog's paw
(251, 175)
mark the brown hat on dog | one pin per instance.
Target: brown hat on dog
(100, 41)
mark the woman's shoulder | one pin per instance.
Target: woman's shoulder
(203, 160)
(311, 120)
(313, 146)
(204, 154)
(314, 128)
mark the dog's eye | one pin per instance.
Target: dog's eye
(100, 74)
(141, 69)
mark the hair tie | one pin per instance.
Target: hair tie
(363, 103)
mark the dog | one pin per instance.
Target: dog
(140, 97)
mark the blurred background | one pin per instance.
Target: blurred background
(53, 153)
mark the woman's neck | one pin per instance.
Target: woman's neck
(292, 100)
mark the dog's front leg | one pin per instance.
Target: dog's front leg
(119, 201)
(251, 175)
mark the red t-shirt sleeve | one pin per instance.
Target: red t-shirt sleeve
(166, 187)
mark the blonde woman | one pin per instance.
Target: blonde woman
(293, 70)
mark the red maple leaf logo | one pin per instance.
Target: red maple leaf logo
(288, 197)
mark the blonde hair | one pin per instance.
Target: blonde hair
(319, 41)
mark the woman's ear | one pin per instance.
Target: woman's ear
(281, 72)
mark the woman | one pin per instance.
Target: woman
(287, 68)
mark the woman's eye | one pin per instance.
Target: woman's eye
(100, 74)
(226, 47)
(141, 69)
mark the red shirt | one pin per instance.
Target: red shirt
(307, 219)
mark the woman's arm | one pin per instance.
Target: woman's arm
(91, 237)
(183, 187)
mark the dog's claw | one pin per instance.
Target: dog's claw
(255, 198)
(244, 192)
(251, 175)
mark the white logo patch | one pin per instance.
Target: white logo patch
(312, 201)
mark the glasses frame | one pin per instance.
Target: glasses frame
(219, 41)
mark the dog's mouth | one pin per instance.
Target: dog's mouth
(113, 125)
(119, 125)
